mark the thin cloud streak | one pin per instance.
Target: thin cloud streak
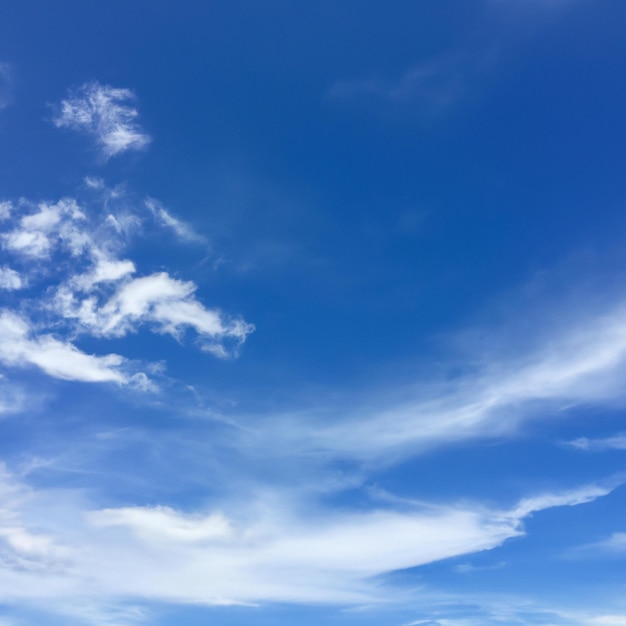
(182, 230)
(616, 442)
(584, 365)
(431, 87)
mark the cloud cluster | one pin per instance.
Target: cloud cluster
(104, 113)
(90, 289)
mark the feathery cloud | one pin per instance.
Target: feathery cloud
(585, 364)
(182, 230)
(104, 113)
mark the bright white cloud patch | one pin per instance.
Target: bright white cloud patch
(55, 357)
(164, 523)
(166, 303)
(106, 114)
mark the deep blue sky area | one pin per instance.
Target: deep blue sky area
(312, 313)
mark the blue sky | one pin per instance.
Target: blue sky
(312, 313)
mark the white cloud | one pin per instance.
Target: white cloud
(164, 523)
(10, 279)
(34, 244)
(96, 291)
(159, 299)
(105, 270)
(37, 233)
(94, 182)
(55, 357)
(28, 545)
(21, 547)
(264, 550)
(104, 113)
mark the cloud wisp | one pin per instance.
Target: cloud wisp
(430, 87)
(5, 84)
(616, 442)
(585, 364)
(181, 229)
(107, 115)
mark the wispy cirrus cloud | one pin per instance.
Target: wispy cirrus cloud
(616, 442)
(5, 84)
(584, 363)
(106, 114)
(614, 545)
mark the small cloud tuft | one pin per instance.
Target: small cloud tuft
(104, 113)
